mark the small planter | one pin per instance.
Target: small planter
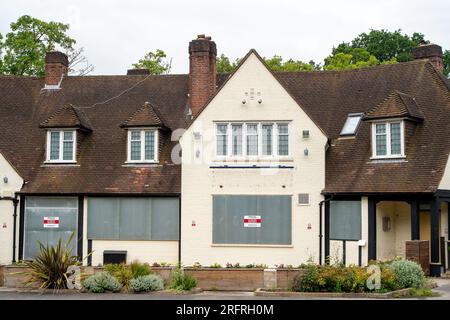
(227, 279)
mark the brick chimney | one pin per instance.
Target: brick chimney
(432, 52)
(202, 72)
(56, 66)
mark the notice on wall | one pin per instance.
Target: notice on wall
(51, 222)
(252, 221)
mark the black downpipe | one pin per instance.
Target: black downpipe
(320, 227)
(15, 202)
(179, 231)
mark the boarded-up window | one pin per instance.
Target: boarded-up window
(252, 219)
(47, 220)
(345, 220)
(133, 218)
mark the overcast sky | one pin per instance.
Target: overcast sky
(116, 34)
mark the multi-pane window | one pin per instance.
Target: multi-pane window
(221, 135)
(142, 146)
(267, 139)
(61, 146)
(236, 142)
(387, 140)
(283, 140)
(252, 139)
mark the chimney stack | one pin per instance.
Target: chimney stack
(202, 72)
(432, 52)
(56, 66)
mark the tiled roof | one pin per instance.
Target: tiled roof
(396, 105)
(107, 102)
(67, 117)
(146, 116)
(330, 96)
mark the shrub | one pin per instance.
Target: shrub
(216, 265)
(181, 281)
(408, 273)
(102, 282)
(121, 272)
(310, 281)
(49, 268)
(147, 283)
(140, 269)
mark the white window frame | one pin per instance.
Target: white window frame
(61, 146)
(259, 156)
(142, 133)
(353, 133)
(388, 155)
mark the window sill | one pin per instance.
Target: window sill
(141, 164)
(388, 160)
(57, 163)
(252, 245)
(253, 160)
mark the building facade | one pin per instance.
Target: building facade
(274, 168)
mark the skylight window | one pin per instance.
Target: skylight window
(351, 124)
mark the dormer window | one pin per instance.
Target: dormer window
(142, 145)
(351, 124)
(388, 139)
(61, 146)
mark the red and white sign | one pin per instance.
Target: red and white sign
(252, 221)
(51, 222)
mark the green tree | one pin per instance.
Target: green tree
(447, 62)
(25, 45)
(155, 62)
(224, 65)
(353, 59)
(276, 63)
(373, 48)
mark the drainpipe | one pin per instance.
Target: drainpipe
(15, 202)
(320, 227)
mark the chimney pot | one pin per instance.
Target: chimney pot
(56, 67)
(432, 52)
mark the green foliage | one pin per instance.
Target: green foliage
(181, 281)
(353, 59)
(121, 272)
(154, 62)
(49, 268)
(147, 283)
(125, 273)
(276, 63)
(408, 273)
(224, 65)
(102, 282)
(384, 45)
(140, 269)
(446, 59)
(339, 278)
(216, 265)
(23, 50)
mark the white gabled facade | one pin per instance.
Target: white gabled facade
(10, 183)
(203, 175)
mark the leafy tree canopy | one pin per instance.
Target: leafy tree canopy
(353, 59)
(276, 63)
(24, 47)
(447, 62)
(155, 62)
